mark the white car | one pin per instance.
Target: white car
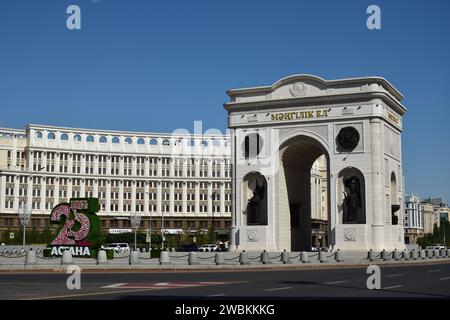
(436, 247)
(209, 248)
(118, 247)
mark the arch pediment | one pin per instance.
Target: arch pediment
(306, 85)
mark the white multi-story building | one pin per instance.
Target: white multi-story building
(414, 219)
(183, 177)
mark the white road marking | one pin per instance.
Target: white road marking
(434, 270)
(446, 278)
(116, 285)
(162, 284)
(217, 295)
(393, 287)
(276, 289)
(395, 275)
(336, 282)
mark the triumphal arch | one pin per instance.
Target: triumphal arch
(279, 131)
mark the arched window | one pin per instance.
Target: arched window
(252, 145)
(153, 142)
(204, 143)
(38, 135)
(254, 197)
(128, 141)
(166, 142)
(64, 137)
(115, 140)
(51, 136)
(77, 137)
(103, 139)
(216, 143)
(141, 141)
(90, 139)
(191, 143)
(228, 143)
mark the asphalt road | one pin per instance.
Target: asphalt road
(412, 281)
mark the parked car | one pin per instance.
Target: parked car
(209, 248)
(118, 247)
(436, 247)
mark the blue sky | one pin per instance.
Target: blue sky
(160, 65)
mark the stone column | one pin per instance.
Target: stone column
(69, 188)
(134, 166)
(159, 197)
(96, 164)
(377, 185)
(30, 161)
(197, 197)
(120, 196)
(82, 188)
(209, 163)
(70, 164)
(14, 153)
(43, 192)
(159, 167)
(133, 196)
(172, 167)
(184, 171)
(108, 165)
(171, 201)
(30, 193)
(108, 195)
(222, 198)
(56, 192)
(146, 195)
(209, 195)
(2, 193)
(222, 168)
(57, 162)
(197, 167)
(83, 164)
(44, 161)
(147, 167)
(16, 193)
(95, 193)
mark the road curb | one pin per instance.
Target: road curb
(219, 268)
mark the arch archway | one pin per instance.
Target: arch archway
(303, 208)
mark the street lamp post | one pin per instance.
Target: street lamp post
(163, 238)
(150, 229)
(25, 212)
(24, 216)
(135, 223)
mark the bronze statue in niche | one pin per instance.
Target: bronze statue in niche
(255, 202)
(352, 199)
